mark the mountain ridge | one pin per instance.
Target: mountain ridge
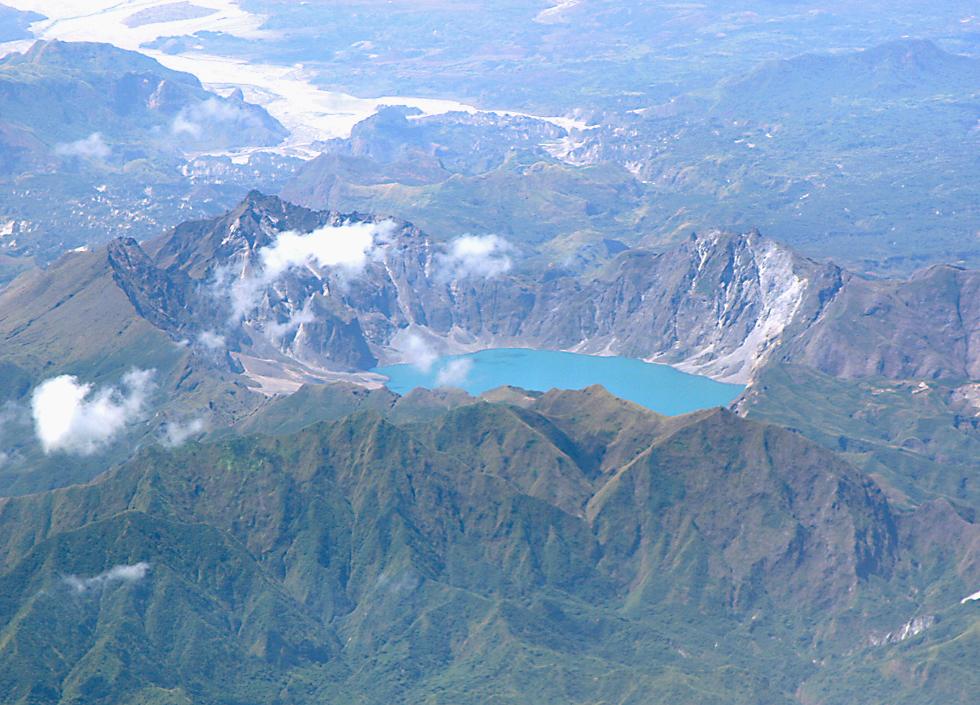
(340, 551)
(718, 304)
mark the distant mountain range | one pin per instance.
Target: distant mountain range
(479, 174)
(95, 142)
(858, 156)
(820, 84)
(58, 93)
(824, 149)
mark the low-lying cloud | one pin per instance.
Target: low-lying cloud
(455, 373)
(476, 256)
(116, 574)
(418, 353)
(196, 120)
(93, 148)
(276, 330)
(73, 417)
(211, 340)
(176, 433)
(347, 248)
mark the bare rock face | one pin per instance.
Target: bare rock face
(719, 304)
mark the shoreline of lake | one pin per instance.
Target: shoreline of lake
(656, 386)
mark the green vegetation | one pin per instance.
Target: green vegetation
(918, 439)
(816, 544)
(565, 548)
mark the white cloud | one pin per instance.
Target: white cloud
(176, 433)
(116, 574)
(211, 340)
(296, 319)
(347, 246)
(344, 247)
(419, 353)
(476, 256)
(455, 372)
(194, 120)
(92, 147)
(69, 417)
(182, 126)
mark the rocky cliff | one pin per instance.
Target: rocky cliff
(719, 304)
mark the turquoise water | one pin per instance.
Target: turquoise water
(658, 387)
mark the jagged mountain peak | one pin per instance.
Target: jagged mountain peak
(198, 247)
(743, 247)
(720, 303)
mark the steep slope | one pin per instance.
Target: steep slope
(153, 632)
(916, 438)
(61, 319)
(718, 304)
(74, 319)
(355, 561)
(925, 327)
